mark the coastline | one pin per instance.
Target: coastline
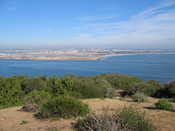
(126, 54)
(72, 55)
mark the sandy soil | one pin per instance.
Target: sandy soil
(11, 118)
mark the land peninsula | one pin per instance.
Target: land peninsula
(70, 54)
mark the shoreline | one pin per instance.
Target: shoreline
(126, 54)
(74, 58)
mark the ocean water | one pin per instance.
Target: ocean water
(146, 66)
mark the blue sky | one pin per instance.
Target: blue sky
(87, 23)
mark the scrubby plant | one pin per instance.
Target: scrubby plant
(134, 88)
(10, 92)
(171, 89)
(54, 85)
(92, 89)
(135, 120)
(37, 97)
(164, 104)
(23, 122)
(31, 84)
(64, 107)
(99, 122)
(139, 97)
(149, 88)
(129, 119)
(110, 93)
(119, 81)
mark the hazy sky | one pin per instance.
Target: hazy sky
(87, 23)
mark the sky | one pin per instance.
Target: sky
(124, 24)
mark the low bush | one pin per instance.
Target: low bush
(100, 122)
(134, 88)
(149, 88)
(37, 97)
(64, 107)
(32, 84)
(154, 88)
(23, 122)
(139, 97)
(164, 104)
(119, 81)
(135, 120)
(110, 93)
(171, 88)
(93, 89)
(10, 92)
(129, 119)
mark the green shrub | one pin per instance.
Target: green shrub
(100, 122)
(92, 89)
(135, 120)
(10, 92)
(164, 104)
(110, 93)
(155, 83)
(129, 119)
(171, 88)
(139, 97)
(150, 88)
(64, 107)
(37, 97)
(23, 122)
(118, 81)
(134, 88)
(54, 85)
(31, 84)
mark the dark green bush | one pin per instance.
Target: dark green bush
(92, 89)
(31, 84)
(10, 92)
(118, 81)
(150, 88)
(139, 97)
(155, 83)
(135, 120)
(54, 85)
(64, 107)
(164, 104)
(37, 97)
(167, 92)
(171, 89)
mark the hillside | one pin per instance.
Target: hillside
(11, 118)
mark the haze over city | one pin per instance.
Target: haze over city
(148, 24)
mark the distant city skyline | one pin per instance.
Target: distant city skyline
(123, 24)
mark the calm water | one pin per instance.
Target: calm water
(148, 66)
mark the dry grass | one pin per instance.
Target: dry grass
(11, 118)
